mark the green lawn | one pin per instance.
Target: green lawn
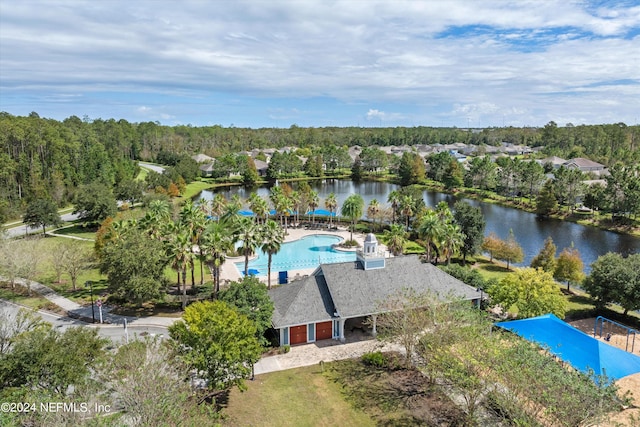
(297, 397)
(344, 393)
(491, 270)
(193, 189)
(19, 295)
(77, 230)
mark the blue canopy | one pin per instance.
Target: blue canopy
(580, 350)
(246, 213)
(321, 212)
(273, 212)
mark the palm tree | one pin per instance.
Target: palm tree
(217, 240)
(352, 208)
(394, 199)
(373, 210)
(331, 204)
(296, 202)
(314, 202)
(283, 205)
(249, 234)
(259, 207)
(428, 230)
(178, 246)
(254, 200)
(406, 207)
(158, 216)
(451, 239)
(273, 236)
(231, 213)
(194, 219)
(218, 205)
(395, 238)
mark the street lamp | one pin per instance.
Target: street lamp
(89, 283)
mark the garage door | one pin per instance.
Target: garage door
(298, 334)
(323, 330)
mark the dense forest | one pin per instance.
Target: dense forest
(46, 158)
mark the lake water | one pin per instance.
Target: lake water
(529, 231)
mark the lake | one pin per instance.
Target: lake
(529, 231)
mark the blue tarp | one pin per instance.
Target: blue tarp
(246, 213)
(580, 350)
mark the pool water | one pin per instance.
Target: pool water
(308, 252)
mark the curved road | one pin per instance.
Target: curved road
(115, 333)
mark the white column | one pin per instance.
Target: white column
(341, 326)
(374, 332)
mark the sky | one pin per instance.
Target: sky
(368, 63)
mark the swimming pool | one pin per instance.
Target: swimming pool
(308, 252)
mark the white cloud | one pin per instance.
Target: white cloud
(537, 58)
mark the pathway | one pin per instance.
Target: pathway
(323, 351)
(85, 312)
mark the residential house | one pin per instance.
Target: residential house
(554, 161)
(206, 170)
(341, 296)
(261, 167)
(202, 158)
(585, 165)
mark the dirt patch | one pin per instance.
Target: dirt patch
(630, 385)
(618, 337)
(396, 396)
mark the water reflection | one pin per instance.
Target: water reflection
(529, 231)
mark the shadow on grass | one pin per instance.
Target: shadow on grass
(494, 268)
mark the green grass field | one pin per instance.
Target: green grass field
(298, 397)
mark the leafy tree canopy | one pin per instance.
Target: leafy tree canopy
(42, 212)
(134, 265)
(218, 342)
(614, 278)
(250, 298)
(533, 292)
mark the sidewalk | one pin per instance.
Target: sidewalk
(321, 351)
(85, 312)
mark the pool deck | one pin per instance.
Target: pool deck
(229, 272)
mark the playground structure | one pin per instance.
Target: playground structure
(611, 327)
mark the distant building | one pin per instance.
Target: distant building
(202, 158)
(585, 165)
(554, 161)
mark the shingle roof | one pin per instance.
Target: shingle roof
(581, 162)
(357, 292)
(202, 158)
(302, 301)
(353, 292)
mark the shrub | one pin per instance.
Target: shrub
(374, 359)
(285, 349)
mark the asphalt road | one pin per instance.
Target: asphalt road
(22, 230)
(115, 333)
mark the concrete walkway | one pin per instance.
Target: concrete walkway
(76, 310)
(323, 351)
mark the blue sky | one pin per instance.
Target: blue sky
(276, 63)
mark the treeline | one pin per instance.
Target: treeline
(47, 158)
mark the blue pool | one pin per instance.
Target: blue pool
(308, 252)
